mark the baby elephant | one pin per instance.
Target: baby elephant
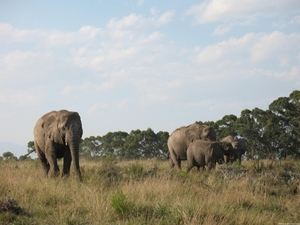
(202, 153)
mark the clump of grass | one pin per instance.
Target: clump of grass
(10, 205)
(122, 207)
(231, 172)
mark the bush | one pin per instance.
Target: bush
(122, 207)
(10, 205)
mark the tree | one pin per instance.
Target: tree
(287, 111)
(226, 126)
(9, 156)
(113, 143)
(91, 147)
(132, 146)
(162, 146)
(30, 147)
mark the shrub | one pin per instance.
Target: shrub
(10, 205)
(122, 207)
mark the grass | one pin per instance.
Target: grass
(147, 192)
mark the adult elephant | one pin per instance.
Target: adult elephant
(181, 138)
(205, 153)
(239, 146)
(57, 134)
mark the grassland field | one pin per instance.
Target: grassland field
(148, 192)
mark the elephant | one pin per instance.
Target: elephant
(206, 153)
(181, 138)
(57, 134)
(239, 146)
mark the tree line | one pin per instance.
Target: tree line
(135, 145)
(272, 133)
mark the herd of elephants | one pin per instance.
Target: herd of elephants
(57, 134)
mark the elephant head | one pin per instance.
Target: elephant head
(228, 150)
(195, 131)
(65, 128)
(207, 133)
(239, 148)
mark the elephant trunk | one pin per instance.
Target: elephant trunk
(73, 143)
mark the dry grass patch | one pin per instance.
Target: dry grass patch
(147, 192)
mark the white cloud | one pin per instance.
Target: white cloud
(291, 74)
(165, 18)
(219, 10)
(9, 34)
(105, 86)
(140, 2)
(256, 47)
(220, 30)
(295, 20)
(58, 38)
(175, 84)
(73, 89)
(199, 104)
(155, 36)
(16, 66)
(21, 98)
(128, 21)
(96, 107)
(219, 50)
(274, 45)
(120, 28)
(87, 88)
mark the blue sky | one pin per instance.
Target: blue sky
(126, 65)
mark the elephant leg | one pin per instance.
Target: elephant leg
(43, 160)
(51, 157)
(67, 163)
(172, 164)
(189, 167)
(210, 165)
(174, 160)
(226, 159)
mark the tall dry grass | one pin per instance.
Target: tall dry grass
(147, 192)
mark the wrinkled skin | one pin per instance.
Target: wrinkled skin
(182, 137)
(239, 146)
(206, 153)
(57, 134)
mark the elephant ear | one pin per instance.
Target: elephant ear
(192, 133)
(53, 129)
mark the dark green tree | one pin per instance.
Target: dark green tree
(132, 146)
(162, 146)
(287, 114)
(91, 147)
(9, 156)
(113, 143)
(226, 126)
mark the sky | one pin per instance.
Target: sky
(127, 65)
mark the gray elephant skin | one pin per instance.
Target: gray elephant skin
(206, 153)
(181, 138)
(239, 146)
(57, 134)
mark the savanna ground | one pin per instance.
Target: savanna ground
(147, 192)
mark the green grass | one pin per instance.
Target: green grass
(148, 192)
